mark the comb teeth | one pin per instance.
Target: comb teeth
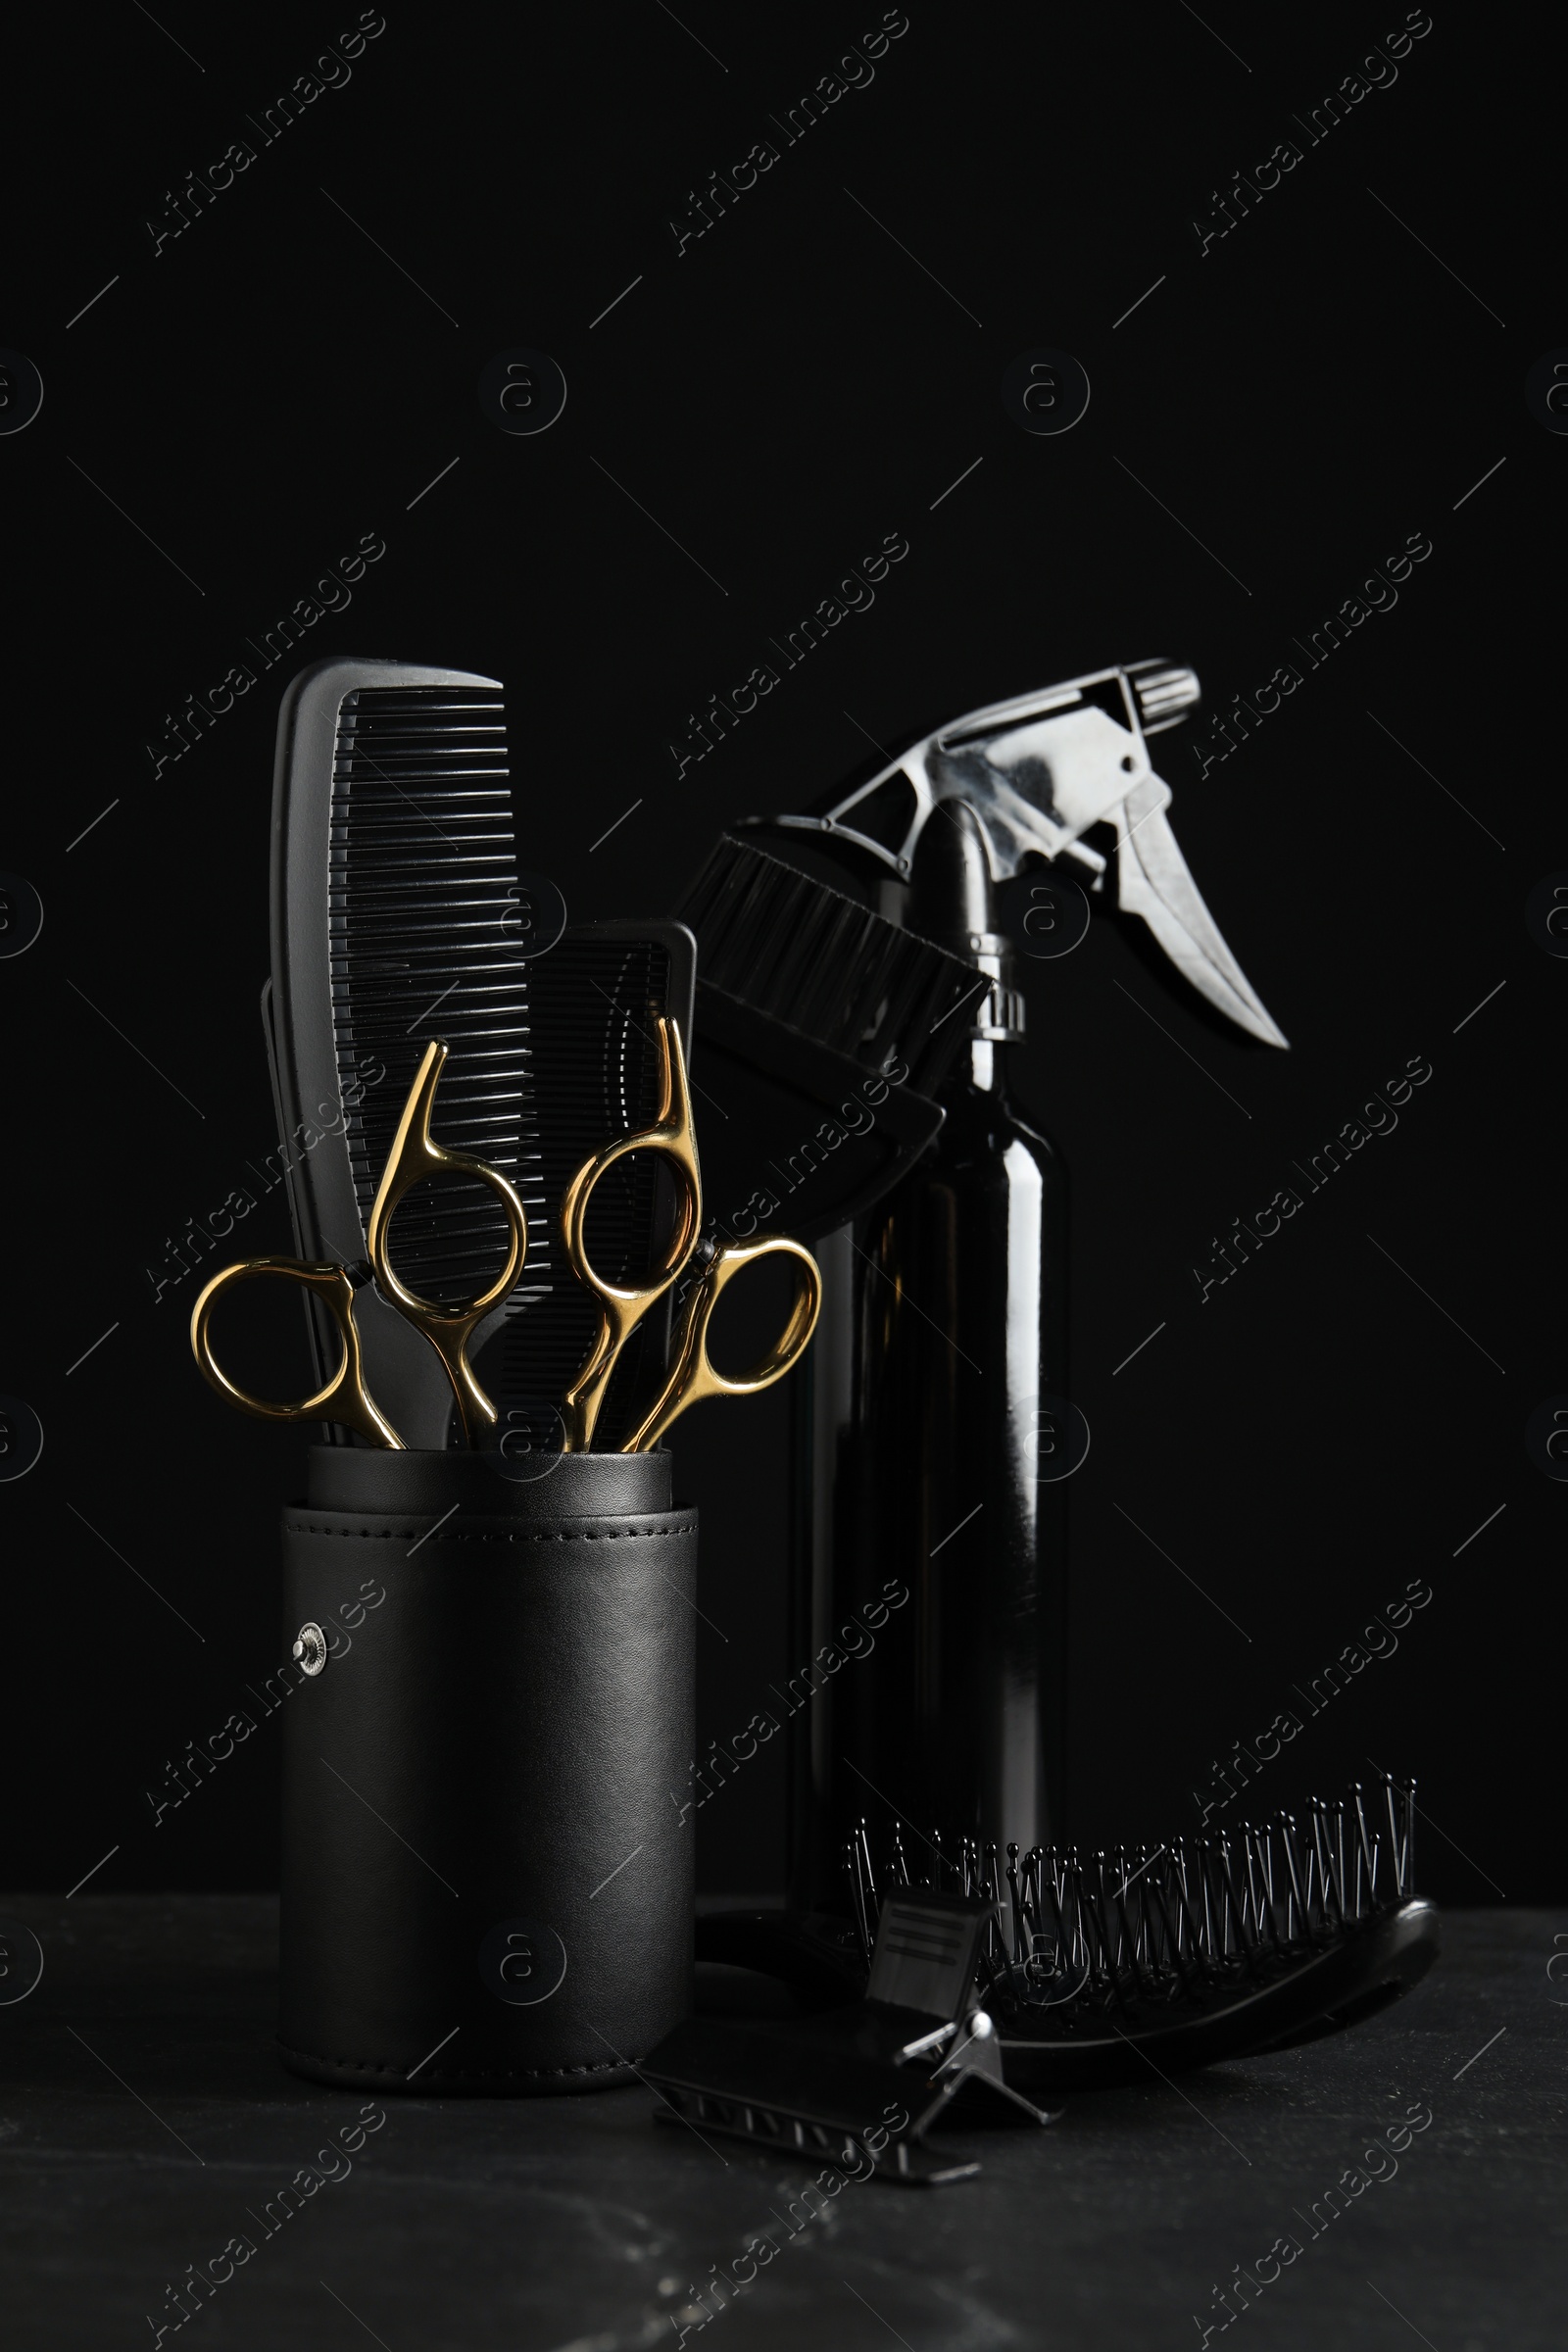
(423, 904)
(793, 946)
(1152, 1924)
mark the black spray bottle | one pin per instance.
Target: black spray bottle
(933, 1440)
(930, 1542)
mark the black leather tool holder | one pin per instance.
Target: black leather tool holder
(487, 1877)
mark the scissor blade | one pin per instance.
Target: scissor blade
(1155, 883)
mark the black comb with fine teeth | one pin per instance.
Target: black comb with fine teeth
(1118, 1967)
(399, 914)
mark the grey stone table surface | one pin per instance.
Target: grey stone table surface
(145, 2123)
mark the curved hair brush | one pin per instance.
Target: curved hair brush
(1177, 1956)
(1084, 1976)
(1098, 1970)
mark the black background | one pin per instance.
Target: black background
(780, 394)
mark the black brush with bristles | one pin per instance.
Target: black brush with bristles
(398, 915)
(823, 1031)
(1116, 1967)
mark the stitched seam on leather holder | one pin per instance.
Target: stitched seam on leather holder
(463, 2074)
(398, 1534)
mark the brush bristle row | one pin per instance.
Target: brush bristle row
(792, 947)
(1165, 1923)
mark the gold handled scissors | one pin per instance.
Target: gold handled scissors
(344, 1398)
(622, 1306)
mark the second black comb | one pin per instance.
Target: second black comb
(594, 1002)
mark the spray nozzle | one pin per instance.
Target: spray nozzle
(1039, 772)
